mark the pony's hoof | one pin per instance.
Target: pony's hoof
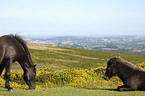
(10, 90)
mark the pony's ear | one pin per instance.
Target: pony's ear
(112, 62)
(34, 65)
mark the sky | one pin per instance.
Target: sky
(72, 17)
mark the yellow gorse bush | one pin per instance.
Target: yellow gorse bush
(142, 65)
(80, 78)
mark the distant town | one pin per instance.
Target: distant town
(120, 44)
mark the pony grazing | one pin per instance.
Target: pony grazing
(13, 48)
(133, 77)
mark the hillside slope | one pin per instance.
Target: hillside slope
(59, 58)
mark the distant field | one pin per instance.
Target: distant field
(118, 44)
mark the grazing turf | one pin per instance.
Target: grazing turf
(69, 91)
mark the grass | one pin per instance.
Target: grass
(69, 91)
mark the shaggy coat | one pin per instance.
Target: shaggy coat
(132, 77)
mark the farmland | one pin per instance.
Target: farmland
(120, 44)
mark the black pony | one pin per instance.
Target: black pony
(133, 77)
(13, 48)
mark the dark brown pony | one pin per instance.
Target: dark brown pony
(133, 77)
(13, 48)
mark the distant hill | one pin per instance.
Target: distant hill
(59, 58)
(122, 44)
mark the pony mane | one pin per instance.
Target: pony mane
(23, 43)
(119, 59)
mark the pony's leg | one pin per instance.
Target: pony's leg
(7, 75)
(2, 68)
(124, 88)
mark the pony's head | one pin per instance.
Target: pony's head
(110, 70)
(29, 76)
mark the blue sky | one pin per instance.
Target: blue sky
(72, 17)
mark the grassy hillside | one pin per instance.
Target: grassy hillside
(59, 58)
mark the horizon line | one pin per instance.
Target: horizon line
(41, 36)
